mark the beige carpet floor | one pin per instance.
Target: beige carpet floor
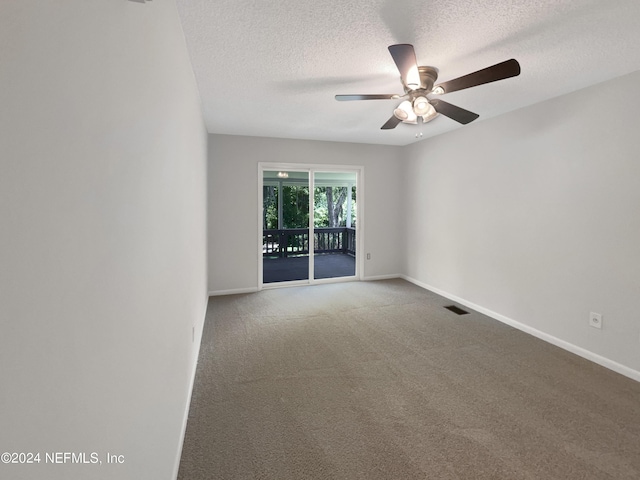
(376, 380)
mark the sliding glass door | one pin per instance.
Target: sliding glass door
(285, 217)
(334, 223)
(308, 224)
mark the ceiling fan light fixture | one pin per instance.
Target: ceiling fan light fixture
(430, 116)
(400, 114)
(421, 106)
(438, 90)
(404, 111)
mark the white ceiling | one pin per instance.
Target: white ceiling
(272, 68)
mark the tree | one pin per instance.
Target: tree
(335, 206)
(295, 206)
(270, 207)
(330, 206)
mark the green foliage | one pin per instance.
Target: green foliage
(323, 207)
(320, 214)
(270, 208)
(295, 206)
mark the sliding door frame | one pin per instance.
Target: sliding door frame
(311, 169)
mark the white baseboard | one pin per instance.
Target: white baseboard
(382, 277)
(233, 291)
(594, 357)
(185, 415)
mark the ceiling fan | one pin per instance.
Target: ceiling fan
(418, 83)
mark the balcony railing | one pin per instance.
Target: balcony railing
(295, 241)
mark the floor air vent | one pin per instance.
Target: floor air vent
(456, 310)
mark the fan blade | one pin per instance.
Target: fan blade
(405, 57)
(391, 123)
(499, 71)
(458, 114)
(382, 96)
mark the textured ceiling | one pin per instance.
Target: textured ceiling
(272, 68)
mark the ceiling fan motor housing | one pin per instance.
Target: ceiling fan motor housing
(428, 76)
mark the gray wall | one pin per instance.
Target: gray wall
(533, 216)
(103, 235)
(233, 200)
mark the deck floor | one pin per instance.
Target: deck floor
(330, 265)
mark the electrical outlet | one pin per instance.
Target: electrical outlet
(595, 320)
(368, 256)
